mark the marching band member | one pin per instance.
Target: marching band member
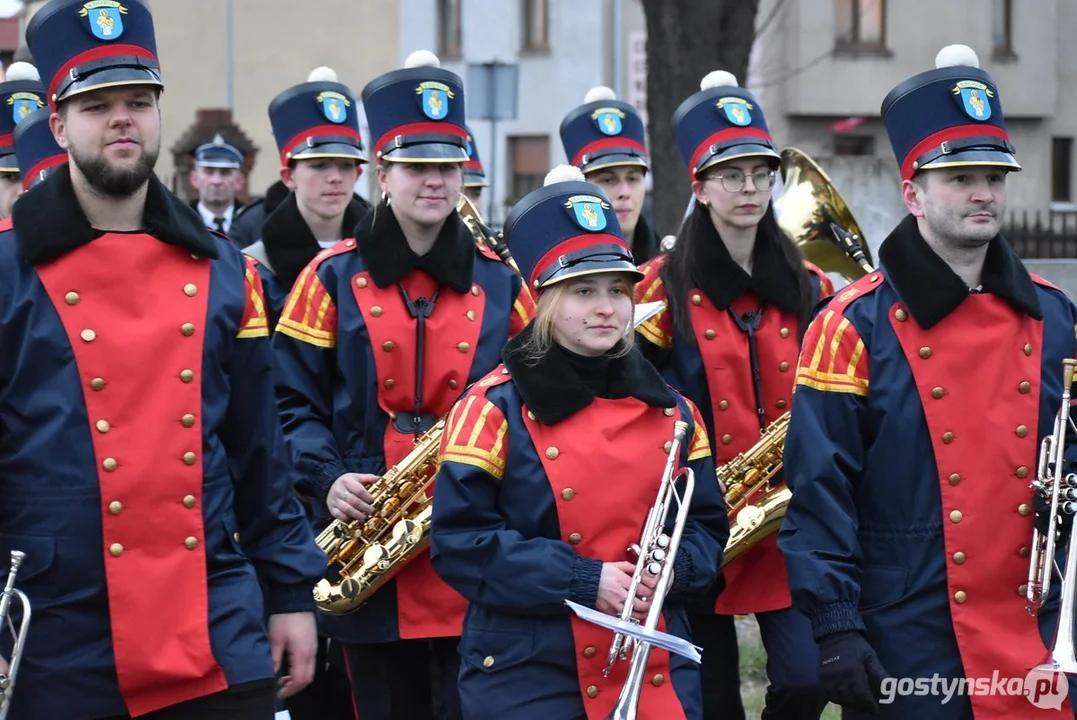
(36, 148)
(21, 94)
(606, 139)
(321, 156)
(922, 392)
(144, 471)
(378, 338)
(474, 173)
(549, 467)
(738, 293)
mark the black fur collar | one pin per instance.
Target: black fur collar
(386, 254)
(51, 223)
(931, 290)
(722, 280)
(288, 241)
(553, 390)
(645, 242)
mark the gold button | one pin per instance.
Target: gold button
(552, 453)
(937, 393)
(1024, 552)
(235, 536)
(115, 507)
(726, 439)
(568, 494)
(187, 420)
(531, 415)
(463, 347)
(959, 557)
(947, 437)
(103, 426)
(1027, 349)
(1022, 590)
(115, 549)
(388, 346)
(191, 543)
(783, 366)
(955, 479)
(109, 464)
(1024, 509)
(453, 384)
(376, 311)
(955, 516)
(188, 501)
(668, 412)
(575, 538)
(657, 680)
(187, 376)
(187, 329)
(188, 458)
(97, 384)
(901, 315)
(196, 256)
(190, 290)
(389, 383)
(1022, 472)
(1022, 431)
(71, 298)
(1024, 388)
(475, 290)
(360, 282)
(488, 661)
(960, 596)
(667, 447)
(925, 352)
(589, 652)
(592, 691)
(781, 404)
(471, 315)
(723, 405)
(784, 332)
(697, 299)
(709, 334)
(88, 335)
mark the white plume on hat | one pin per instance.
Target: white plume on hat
(599, 92)
(422, 58)
(564, 173)
(718, 78)
(954, 55)
(22, 71)
(322, 74)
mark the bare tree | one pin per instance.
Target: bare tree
(686, 39)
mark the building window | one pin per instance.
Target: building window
(530, 157)
(854, 145)
(536, 25)
(450, 28)
(861, 24)
(1062, 169)
(1002, 26)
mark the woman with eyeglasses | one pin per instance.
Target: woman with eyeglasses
(738, 294)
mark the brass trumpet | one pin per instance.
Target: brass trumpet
(7, 681)
(482, 233)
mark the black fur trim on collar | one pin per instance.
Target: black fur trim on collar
(722, 280)
(645, 242)
(51, 223)
(388, 257)
(931, 290)
(289, 243)
(552, 389)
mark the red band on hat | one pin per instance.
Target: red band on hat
(604, 143)
(7, 139)
(46, 164)
(97, 53)
(319, 131)
(422, 128)
(474, 164)
(738, 132)
(571, 245)
(952, 133)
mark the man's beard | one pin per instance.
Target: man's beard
(111, 181)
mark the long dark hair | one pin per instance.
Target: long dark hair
(683, 266)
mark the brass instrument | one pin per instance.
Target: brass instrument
(657, 552)
(810, 211)
(1053, 482)
(364, 554)
(7, 681)
(483, 234)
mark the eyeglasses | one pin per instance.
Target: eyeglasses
(733, 180)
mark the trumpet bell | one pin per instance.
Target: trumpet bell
(807, 210)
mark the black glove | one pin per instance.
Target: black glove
(849, 672)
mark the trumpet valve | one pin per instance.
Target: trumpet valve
(654, 568)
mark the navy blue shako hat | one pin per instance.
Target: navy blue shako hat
(36, 148)
(566, 229)
(81, 45)
(316, 119)
(474, 173)
(604, 132)
(948, 117)
(20, 95)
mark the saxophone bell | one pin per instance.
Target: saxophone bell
(7, 680)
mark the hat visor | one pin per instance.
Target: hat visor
(475, 179)
(594, 267)
(329, 150)
(112, 77)
(608, 161)
(737, 152)
(974, 157)
(9, 163)
(427, 152)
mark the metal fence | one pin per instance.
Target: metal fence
(1042, 234)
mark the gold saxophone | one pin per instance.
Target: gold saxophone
(811, 211)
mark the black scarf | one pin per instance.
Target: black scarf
(722, 280)
(931, 290)
(51, 222)
(289, 243)
(645, 242)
